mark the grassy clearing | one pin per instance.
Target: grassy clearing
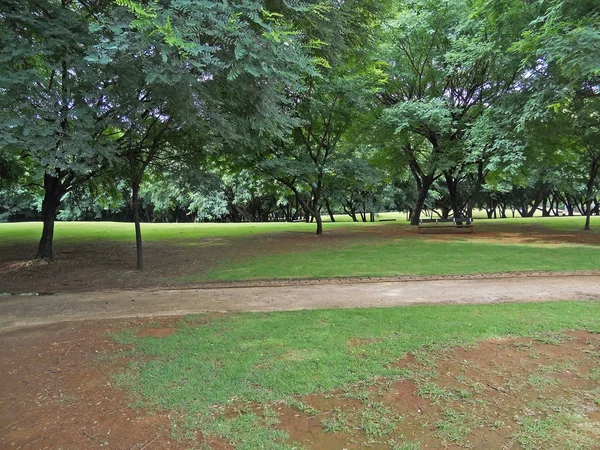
(350, 250)
(409, 256)
(74, 232)
(214, 365)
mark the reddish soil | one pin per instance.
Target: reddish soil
(96, 266)
(501, 371)
(57, 391)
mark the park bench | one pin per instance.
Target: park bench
(454, 223)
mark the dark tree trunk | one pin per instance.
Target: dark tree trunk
(423, 187)
(350, 209)
(54, 190)
(319, 223)
(310, 206)
(352, 213)
(476, 188)
(490, 207)
(569, 205)
(588, 214)
(54, 187)
(590, 191)
(329, 211)
(452, 185)
(372, 216)
(135, 204)
(545, 211)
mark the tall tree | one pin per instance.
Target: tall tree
(49, 98)
(562, 47)
(340, 36)
(187, 76)
(448, 63)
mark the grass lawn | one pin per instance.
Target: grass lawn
(227, 376)
(409, 257)
(73, 232)
(187, 253)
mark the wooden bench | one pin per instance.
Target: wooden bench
(454, 223)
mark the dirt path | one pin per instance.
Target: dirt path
(25, 311)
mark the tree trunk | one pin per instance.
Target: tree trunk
(329, 211)
(352, 213)
(135, 190)
(588, 214)
(545, 211)
(569, 205)
(452, 185)
(590, 191)
(53, 193)
(319, 223)
(310, 207)
(421, 197)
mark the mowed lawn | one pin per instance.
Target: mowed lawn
(410, 256)
(289, 250)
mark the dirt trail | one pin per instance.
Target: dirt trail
(25, 311)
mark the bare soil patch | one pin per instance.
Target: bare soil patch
(93, 266)
(498, 394)
(56, 391)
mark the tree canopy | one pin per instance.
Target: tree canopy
(290, 109)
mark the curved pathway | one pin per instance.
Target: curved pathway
(18, 311)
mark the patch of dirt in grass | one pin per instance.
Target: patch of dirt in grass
(157, 332)
(92, 266)
(540, 392)
(360, 342)
(56, 391)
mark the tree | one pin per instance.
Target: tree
(333, 102)
(448, 64)
(185, 77)
(562, 45)
(49, 98)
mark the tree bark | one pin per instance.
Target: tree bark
(452, 185)
(590, 191)
(329, 211)
(423, 187)
(311, 210)
(54, 190)
(135, 191)
(319, 223)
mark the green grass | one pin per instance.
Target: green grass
(215, 362)
(74, 232)
(363, 253)
(409, 256)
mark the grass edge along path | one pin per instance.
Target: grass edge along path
(213, 363)
(405, 257)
